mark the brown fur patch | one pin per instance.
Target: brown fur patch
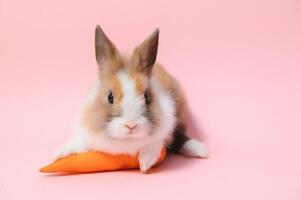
(112, 84)
(168, 83)
(95, 115)
(100, 111)
(141, 82)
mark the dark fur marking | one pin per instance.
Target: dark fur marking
(179, 138)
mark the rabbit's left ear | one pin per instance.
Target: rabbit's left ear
(144, 56)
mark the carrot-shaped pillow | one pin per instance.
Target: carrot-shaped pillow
(95, 161)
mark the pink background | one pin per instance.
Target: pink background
(239, 61)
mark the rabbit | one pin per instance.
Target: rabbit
(135, 106)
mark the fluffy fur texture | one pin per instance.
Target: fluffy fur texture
(134, 107)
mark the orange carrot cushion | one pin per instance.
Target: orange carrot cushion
(95, 162)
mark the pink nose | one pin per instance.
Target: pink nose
(130, 126)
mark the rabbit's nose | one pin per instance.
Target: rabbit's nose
(130, 126)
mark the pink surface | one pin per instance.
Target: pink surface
(239, 61)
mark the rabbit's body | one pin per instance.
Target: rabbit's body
(135, 106)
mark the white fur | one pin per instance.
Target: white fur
(194, 148)
(74, 145)
(149, 155)
(83, 140)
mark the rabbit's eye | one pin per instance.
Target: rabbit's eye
(147, 99)
(111, 98)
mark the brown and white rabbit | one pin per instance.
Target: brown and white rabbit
(135, 106)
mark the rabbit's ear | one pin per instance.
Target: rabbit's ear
(144, 56)
(105, 50)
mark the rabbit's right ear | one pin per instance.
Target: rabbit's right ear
(106, 52)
